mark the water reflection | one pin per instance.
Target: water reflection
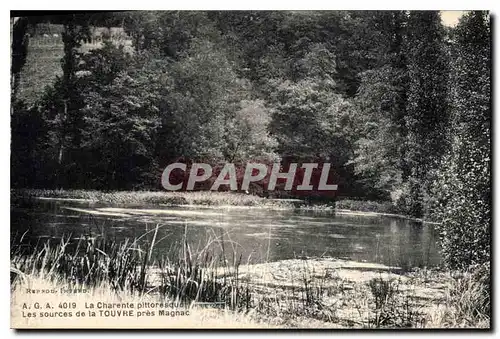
(257, 235)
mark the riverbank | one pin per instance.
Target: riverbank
(328, 292)
(354, 296)
(201, 198)
(215, 200)
(295, 293)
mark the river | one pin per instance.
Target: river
(255, 235)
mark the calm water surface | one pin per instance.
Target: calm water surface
(257, 235)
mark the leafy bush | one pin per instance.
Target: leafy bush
(366, 206)
(464, 182)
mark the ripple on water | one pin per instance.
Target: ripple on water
(95, 212)
(263, 235)
(332, 235)
(159, 211)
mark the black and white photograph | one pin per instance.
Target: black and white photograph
(252, 169)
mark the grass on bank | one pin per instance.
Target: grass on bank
(310, 297)
(149, 197)
(204, 198)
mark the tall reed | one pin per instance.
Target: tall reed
(192, 276)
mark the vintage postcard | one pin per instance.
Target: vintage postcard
(250, 169)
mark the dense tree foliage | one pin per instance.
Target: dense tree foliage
(464, 182)
(381, 104)
(397, 103)
(426, 116)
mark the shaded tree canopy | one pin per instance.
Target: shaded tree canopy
(397, 103)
